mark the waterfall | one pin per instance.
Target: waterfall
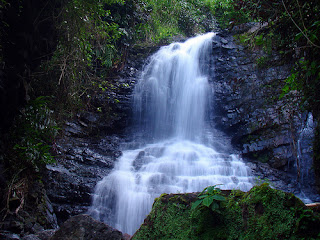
(171, 98)
(179, 151)
(304, 151)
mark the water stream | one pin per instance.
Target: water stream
(176, 149)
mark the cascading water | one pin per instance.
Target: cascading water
(304, 151)
(171, 102)
(303, 164)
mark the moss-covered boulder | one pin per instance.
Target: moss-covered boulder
(261, 213)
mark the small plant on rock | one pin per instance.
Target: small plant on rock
(210, 198)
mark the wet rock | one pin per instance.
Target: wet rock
(46, 234)
(83, 227)
(281, 155)
(241, 28)
(43, 235)
(31, 237)
(89, 118)
(247, 106)
(139, 160)
(74, 129)
(229, 46)
(6, 235)
(81, 163)
(224, 41)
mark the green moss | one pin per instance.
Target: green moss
(266, 216)
(261, 213)
(169, 219)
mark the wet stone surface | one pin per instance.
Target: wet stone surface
(80, 165)
(264, 128)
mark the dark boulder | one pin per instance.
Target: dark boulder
(84, 227)
(43, 235)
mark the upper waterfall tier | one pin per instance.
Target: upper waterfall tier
(172, 96)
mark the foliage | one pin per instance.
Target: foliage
(227, 12)
(211, 198)
(166, 19)
(305, 77)
(86, 51)
(34, 134)
(262, 213)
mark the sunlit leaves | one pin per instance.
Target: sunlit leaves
(170, 18)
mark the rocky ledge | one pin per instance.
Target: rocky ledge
(83, 227)
(261, 213)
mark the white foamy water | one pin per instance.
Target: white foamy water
(171, 104)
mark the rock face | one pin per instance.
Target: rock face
(247, 101)
(43, 235)
(81, 163)
(261, 213)
(90, 143)
(266, 129)
(83, 227)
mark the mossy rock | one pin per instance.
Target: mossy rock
(261, 213)
(168, 219)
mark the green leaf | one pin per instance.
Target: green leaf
(202, 196)
(211, 189)
(298, 36)
(214, 206)
(219, 198)
(202, 192)
(316, 23)
(313, 37)
(207, 201)
(259, 39)
(196, 204)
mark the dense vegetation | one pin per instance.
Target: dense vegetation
(261, 213)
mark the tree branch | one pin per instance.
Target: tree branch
(304, 34)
